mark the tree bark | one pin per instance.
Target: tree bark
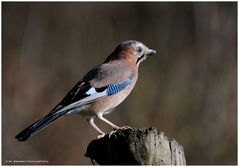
(132, 146)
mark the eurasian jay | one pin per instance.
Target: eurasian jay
(100, 90)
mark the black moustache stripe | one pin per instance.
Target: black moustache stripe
(139, 59)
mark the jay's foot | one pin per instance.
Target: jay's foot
(121, 128)
(101, 135)
(118, 128)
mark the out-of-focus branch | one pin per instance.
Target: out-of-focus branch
(132, 146)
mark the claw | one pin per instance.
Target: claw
(116, 129)
(101, 135)
(111, 133)
(125, 127)
(122, 128)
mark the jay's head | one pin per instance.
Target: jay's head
(132, 51)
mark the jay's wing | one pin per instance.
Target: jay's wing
(101, 81)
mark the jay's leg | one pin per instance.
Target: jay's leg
(91, 122)
(100, 116)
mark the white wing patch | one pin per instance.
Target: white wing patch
(91, 91)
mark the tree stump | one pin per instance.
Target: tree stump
(132, 146)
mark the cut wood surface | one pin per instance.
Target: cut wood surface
(132, 146)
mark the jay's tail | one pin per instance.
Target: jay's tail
(37, 126)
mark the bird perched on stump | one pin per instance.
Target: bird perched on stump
(102, 89)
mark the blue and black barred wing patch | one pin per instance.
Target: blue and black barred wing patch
(116, 88)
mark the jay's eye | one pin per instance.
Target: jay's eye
(139, 50)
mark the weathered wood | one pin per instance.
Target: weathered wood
(144, 146)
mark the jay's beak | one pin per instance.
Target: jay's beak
(150, 52)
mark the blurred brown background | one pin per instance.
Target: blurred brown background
(188, 90)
